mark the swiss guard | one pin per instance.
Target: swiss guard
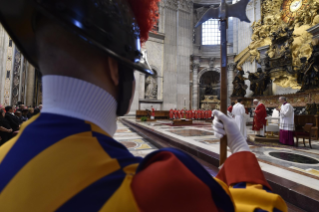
(65, 158)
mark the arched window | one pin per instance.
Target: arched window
(210, 32)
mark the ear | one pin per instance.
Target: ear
(114, 71)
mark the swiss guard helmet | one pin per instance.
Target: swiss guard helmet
(114, 26)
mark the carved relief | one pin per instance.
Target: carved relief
(8, 74)
(23, 80)
(16, 77)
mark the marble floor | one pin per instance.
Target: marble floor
(300, 165)
(136, 144)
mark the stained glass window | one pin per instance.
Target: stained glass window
(210, 32)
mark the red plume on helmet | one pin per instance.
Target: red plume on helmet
(146, 15)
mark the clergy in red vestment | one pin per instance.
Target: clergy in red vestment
(196, 114)
(171, 114)
(175, 113)
(189, 114)
(209, 114)
(153, 112)
(260, 115)
(192, 114)
(200, 114)
(179, 114)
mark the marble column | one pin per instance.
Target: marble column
(195, 86)
(30, 85)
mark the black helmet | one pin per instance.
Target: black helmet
(108, 24)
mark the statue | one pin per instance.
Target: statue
(239, 89)
(308, 109)
(308, 74)
(150, 88)
(258, 81)
(211, 63)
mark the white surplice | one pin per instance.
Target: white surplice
(240, 118)
(286, 117)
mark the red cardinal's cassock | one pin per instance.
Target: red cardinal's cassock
(259, 118)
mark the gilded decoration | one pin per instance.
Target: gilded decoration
(296, 100)
(283, 26)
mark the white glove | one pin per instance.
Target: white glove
(235, 140)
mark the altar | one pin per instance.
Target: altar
(210, 103)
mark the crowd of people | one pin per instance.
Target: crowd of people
(190, 114)
(12, 117)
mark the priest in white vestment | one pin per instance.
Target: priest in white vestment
(286, 126)
(240, 119)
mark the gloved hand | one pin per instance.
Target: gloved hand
(235, 140)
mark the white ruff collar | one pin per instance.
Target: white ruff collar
(76, 98)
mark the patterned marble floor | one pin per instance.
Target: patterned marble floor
(203, 136)
(137, 145)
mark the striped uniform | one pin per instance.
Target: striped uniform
(58, 163)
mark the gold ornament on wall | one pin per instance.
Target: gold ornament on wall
(281, 19)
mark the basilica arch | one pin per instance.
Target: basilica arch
(208, 83)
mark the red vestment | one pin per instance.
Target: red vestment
(199, 114)
(171, 113)
(153, 112)
(230, 108)
(195, 114)
(209, 114)
(259, 117)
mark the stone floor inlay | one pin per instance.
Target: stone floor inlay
(296, 158)
(191, 132)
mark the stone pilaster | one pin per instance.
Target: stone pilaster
(30, 85)
(195, 86)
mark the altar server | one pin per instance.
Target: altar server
(286, 126)
(259, 121)
(240, 119)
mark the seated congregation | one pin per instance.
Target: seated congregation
(11, 118)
